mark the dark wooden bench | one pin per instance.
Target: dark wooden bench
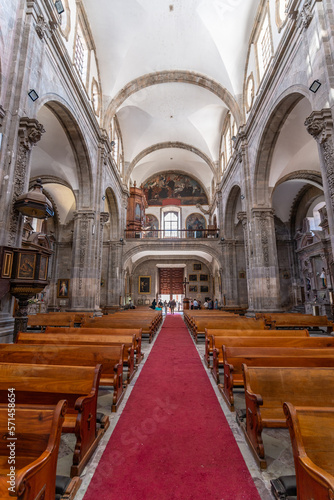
(109, 356)
(43, 320)
(212, 337)
(147, 327)
(229, 323)
(44, 385)
(234, 357)
(267, 388)
(134, 333)
(297, 320)
(37, 434)
(312, 438)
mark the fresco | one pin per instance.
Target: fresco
(151, 226)
(195, 224)
(169, 185)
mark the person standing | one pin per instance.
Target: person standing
(216, 304)
(195, 304)
(172, 306)
(165, 306)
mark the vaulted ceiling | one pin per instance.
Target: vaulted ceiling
(206, 40)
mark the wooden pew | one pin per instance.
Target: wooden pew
(212, 337)
(235, 357)
(109, 356)
(230, 323)
(267, 388)
(113, 332)
(43, 320)
(45, 385)
(148, 329)
(295, 320)
(37, 434)
(312, 438)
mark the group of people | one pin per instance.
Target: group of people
(172, 305)
(208, 304)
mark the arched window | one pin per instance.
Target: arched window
(170, 224)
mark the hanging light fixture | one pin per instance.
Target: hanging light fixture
(34, 203)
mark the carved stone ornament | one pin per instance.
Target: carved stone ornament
(306, 14)
(44, 29)
(320, 125)
(30, 132)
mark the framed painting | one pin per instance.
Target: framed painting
(204, 289)
(43, 268)
(192, 277)
(193, 288)
(144, 284)
(198, 267)
(242, 275)
(63, 288)
(203, 277)
(26, 267)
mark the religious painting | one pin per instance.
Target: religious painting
(43, 268)
(203, 277)
(198, 267)
(193, 288)
(195, 225)
(175, 188)
(242, 275)
(151, 226)
(192, 277)
(63, 288)
(204, 289)
(144, 284)
(26, 267)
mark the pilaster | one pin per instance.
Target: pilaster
(29, 133)
(320, 126)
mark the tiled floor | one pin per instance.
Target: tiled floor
(276, 441)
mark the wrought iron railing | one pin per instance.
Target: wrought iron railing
(172, 234)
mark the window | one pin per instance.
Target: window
(228, 142)
(95, 97)
(81, 54)
(281, 14)
(264, 47)
(171, 223)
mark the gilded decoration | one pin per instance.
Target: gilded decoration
(174, 188)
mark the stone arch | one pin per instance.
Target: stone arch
(70, 123)
(173, 77)
(142, 247)
(167, 145)
(269, 135)
(230, 211)
(111, 228)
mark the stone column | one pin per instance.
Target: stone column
(29, 133)
(320, 125)
(104, 217)
(115, 282)
(230, 285)
(263, 267)
(84, 262)
(242, 217)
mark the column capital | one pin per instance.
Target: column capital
(84, 215)
(30, 132)
(263, 213)
(320, 125)
(104, 217)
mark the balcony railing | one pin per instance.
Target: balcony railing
(159, 234)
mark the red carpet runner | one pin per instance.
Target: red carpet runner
(172, 441)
